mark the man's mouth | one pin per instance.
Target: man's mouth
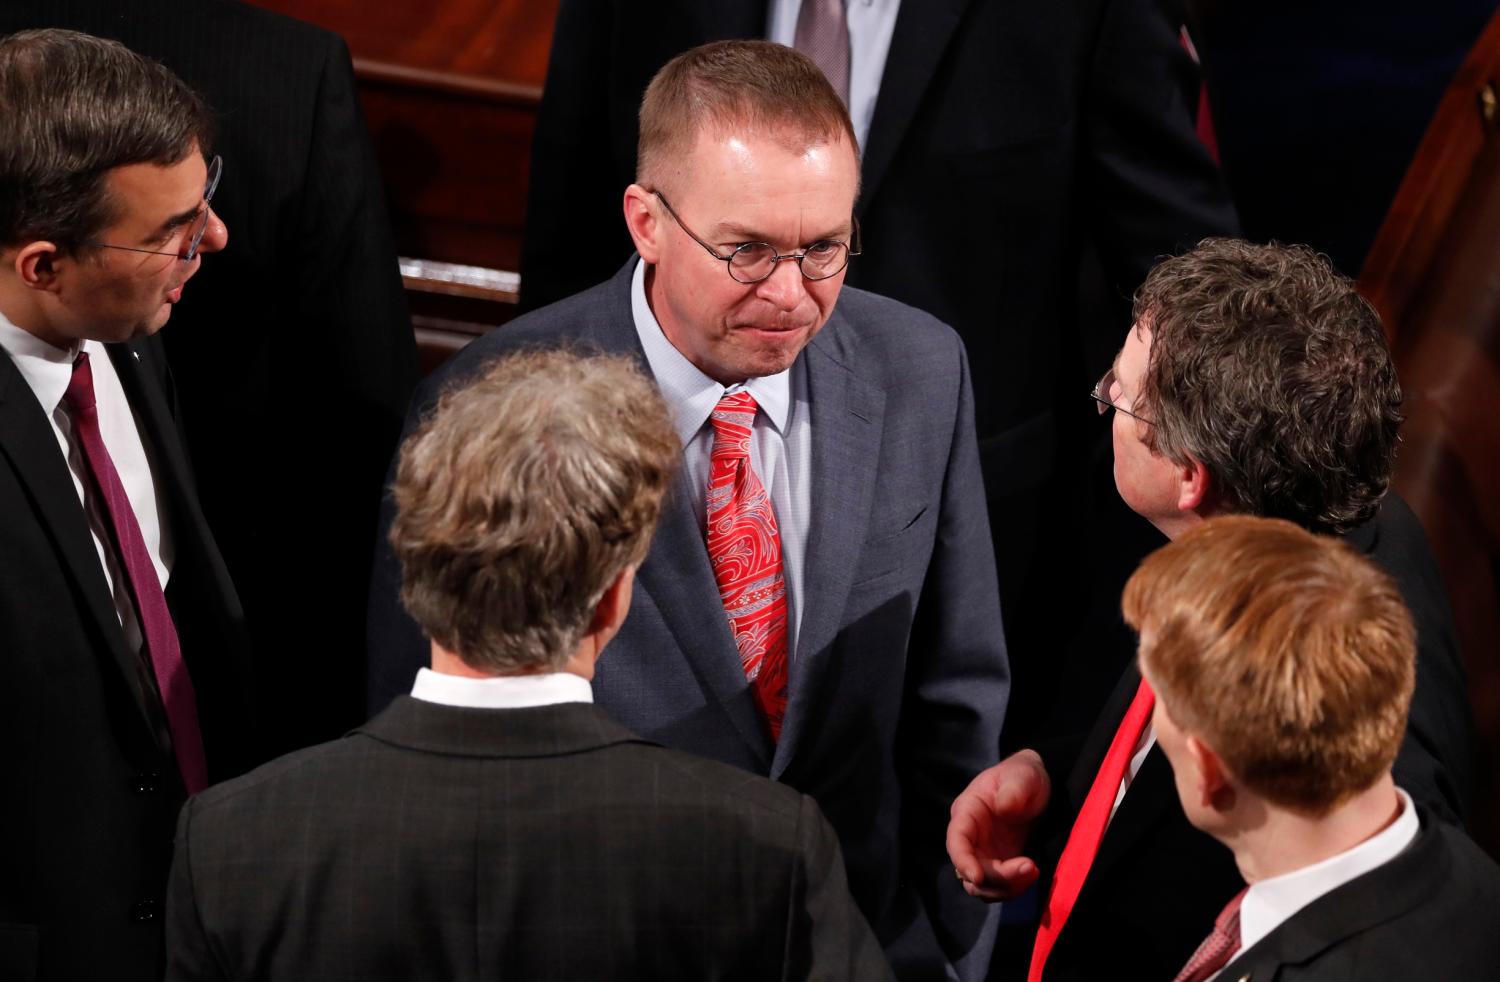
(174, 294)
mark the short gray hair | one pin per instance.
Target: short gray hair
(522, 496)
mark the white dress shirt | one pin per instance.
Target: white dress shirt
(871, 24)
(780, 440)
(501, 692)
(48, 370)
(1272, 901)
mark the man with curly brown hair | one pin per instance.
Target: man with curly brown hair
(1255, 380)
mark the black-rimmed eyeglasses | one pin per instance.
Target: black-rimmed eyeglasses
(751, 262)
(195, 232)
(1102, 395)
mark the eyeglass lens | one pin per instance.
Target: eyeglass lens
(755, 261)
(200, 224)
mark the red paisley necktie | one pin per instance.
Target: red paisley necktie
(745, 550)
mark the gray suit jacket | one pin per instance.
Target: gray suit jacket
(457, 844)
(900, 680)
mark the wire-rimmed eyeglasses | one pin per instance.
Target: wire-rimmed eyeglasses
(751, 262)
(195, 232)
(1102, 394)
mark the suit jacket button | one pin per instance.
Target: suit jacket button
(145, 783)
(145, 911)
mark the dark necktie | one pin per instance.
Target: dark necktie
(157, 629)
(823, 35)
(1088, 829)
(744, 548)
(1222, 943)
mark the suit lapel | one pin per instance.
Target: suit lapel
(676, 575)
(921, 36)
(847, 414)
(1152, 791)
(28, 440)
(1413, 878)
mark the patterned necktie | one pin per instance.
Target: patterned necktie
(159, 632)
(1222, 943)
(823, 35)
(745, 550)
(1088, 829)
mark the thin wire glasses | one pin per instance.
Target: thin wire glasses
(195, 231)
(1103, 393)
(751, 262)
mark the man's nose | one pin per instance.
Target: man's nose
(785, 287)
(215, 234)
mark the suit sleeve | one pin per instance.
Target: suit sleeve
(957, 687)
(189, 958)
(1149, 183)
(827, 937)
(575, 236)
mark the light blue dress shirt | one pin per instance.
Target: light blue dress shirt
(780, 441)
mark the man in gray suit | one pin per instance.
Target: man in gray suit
(819, 604)
(494, 823)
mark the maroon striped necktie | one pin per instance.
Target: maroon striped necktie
(744, 548)
(157, 629)
(1222, 944)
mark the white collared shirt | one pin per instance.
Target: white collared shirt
(1272, 901)
(48, 370)
(501, 692)
(780, 443)
(871, 24)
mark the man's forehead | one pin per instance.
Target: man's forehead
(151, 193)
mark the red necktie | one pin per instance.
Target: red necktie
(145, 588)
(745, 550)
(1088, 828)
(1221, 944)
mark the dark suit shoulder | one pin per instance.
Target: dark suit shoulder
(1381, 924)
(739, 790)
(307, 766)
(892, 324)
(574, 321)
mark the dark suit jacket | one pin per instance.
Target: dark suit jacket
(85, 832)
(1158, 883)
(898, 685)
(1010, 138)
(1429, 913)
(549, 843)
(292, 348)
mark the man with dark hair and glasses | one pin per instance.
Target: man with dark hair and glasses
(819, 603)
(1255, 381)
(124, 652)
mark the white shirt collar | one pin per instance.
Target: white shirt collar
(47, 369)
(501, 692)
(690, 394)
(1270, 902)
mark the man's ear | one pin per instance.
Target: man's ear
(610, 612)
(37, 264)
(1194, 486)
(1211, 778)
(643, 222)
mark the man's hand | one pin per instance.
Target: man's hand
(987, 827)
